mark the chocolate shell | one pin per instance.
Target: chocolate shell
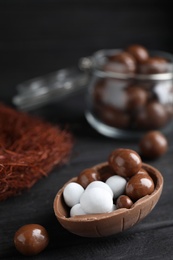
(106, 224)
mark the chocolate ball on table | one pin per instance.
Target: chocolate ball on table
(31, 239)
(153, 144)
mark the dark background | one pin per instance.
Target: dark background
(37, 37)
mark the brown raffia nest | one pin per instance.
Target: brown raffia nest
(29, 149)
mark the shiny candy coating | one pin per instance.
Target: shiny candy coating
(124, 201)
(153, 144)
(31, 239)
(125, 162)
(139, 186)
(87, 176)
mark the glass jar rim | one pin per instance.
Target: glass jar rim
(101, 54)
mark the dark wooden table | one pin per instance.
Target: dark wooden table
(38, 37)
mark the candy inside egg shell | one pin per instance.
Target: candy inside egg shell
(105, 224)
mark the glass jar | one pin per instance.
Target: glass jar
(124, 103)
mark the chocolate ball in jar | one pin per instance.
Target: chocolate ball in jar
(113, 117)
(139, 52)
(109, 102)
(153, 116)
(154, 65)
(122, 62)
(136, 99)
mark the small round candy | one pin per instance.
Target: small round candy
(77, 210)
(125, 162)
(31, 239)
(122, 62)
(153, 116)
(87, 176)
(139, 185)
(96, 200)
(136, 97)
(154, 65)
(72, 193)
(153, 144)
(106, 172)
(117, 185)
(113, 117)
(139, 52)
(124, 201)
(100, 184)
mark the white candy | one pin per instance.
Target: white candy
(72, 193)
(117, 185)
(96, 200)
(76, 210)
(100, 184)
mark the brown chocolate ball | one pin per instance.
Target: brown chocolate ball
(153, 144)
(139, 186)
(139, 52)
(105, 172)
(125, 162)
(112, 116)
(153, 116)
(122, 62)
(154, 65)
(87, 176)
(124, 201)
(31, 239)
(136, 97)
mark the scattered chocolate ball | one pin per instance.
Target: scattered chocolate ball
(153, 144)
(139, 186)
(87, 176)
(139, 52)
(124, 201)
(125, 162)
(31, 239)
